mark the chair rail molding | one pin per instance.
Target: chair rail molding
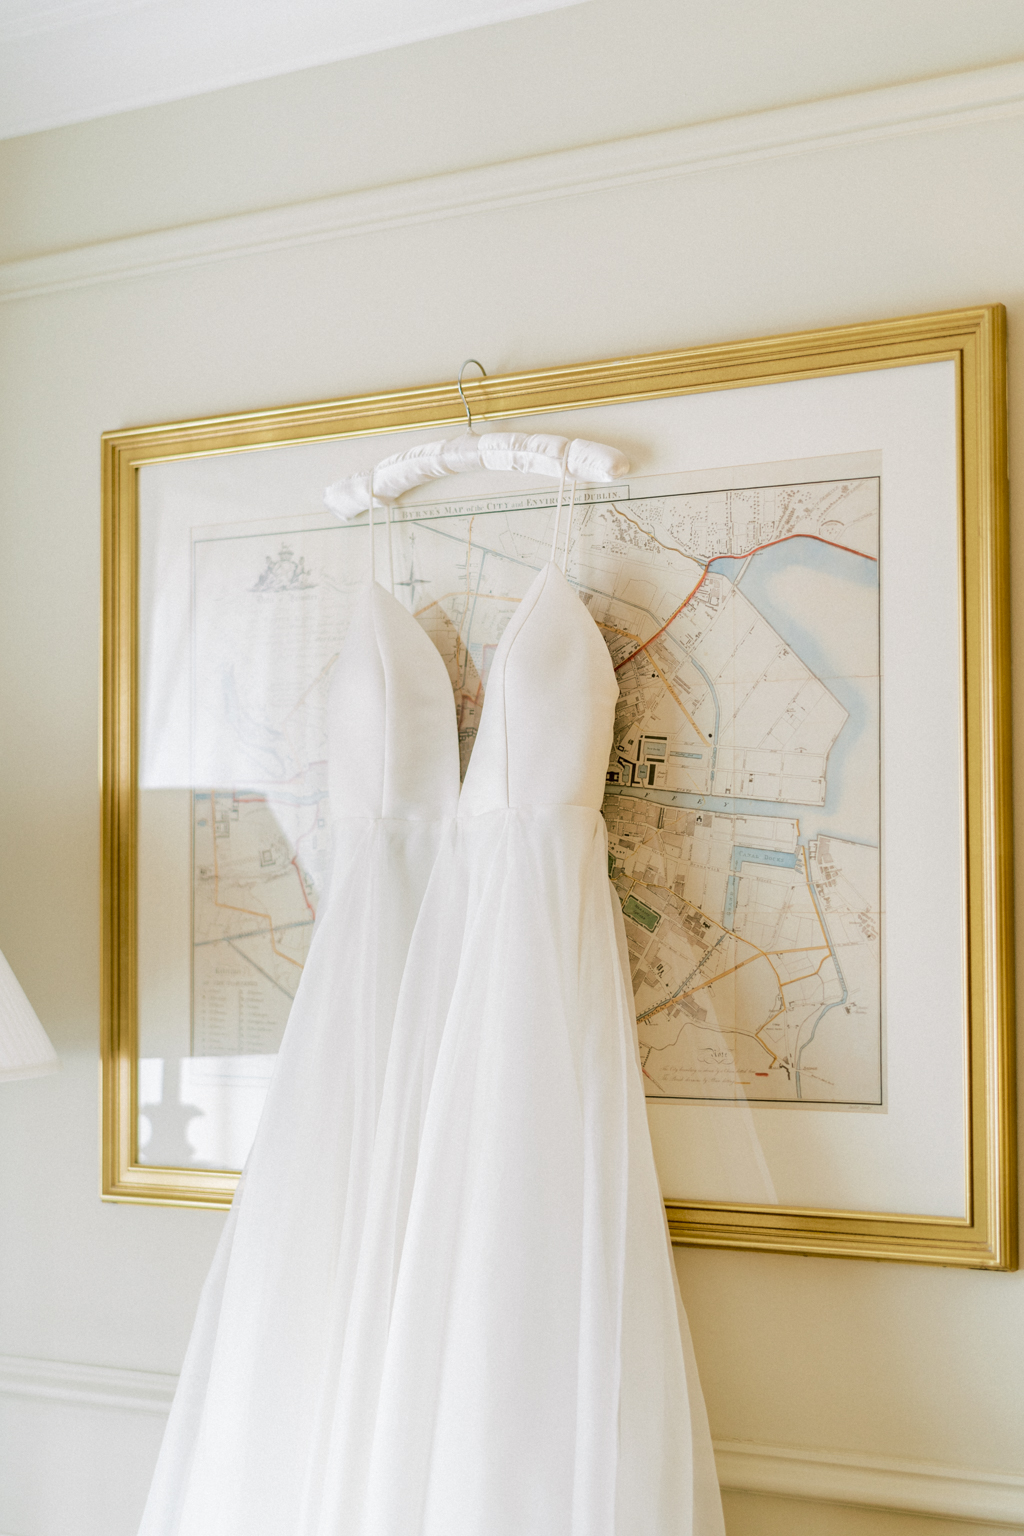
(946, 101)
(822, 1476)
(93, 1386)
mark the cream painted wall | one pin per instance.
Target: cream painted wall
(567, 78)
(882, 1359)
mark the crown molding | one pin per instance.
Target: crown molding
(949, 101)
(829, 1477)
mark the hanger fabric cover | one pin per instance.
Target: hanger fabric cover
(532, 454)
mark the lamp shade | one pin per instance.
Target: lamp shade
(25, 1049)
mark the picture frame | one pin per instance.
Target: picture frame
(901, 425)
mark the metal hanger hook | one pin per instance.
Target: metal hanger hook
(458, 386)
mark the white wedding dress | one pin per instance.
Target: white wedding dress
(466, 1324)
(235, 1452)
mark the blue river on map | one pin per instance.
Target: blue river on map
(851, 808)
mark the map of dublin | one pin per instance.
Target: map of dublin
(743, 802)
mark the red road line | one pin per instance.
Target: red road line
(670, 620)
(745, 556)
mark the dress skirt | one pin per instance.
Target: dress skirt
(444, 1303)
(236, 1454)
(515, 1361)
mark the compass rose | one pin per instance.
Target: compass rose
(412, 583)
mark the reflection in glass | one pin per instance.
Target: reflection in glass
(200, 1111)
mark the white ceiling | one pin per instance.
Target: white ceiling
(66, 61)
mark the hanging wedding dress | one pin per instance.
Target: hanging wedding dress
(236, 1449)
(455, 1314)
(514, 1360)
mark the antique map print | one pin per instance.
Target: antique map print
(743, 805)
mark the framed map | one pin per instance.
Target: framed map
(801, 584)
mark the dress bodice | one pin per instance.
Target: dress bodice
(546, 729)
(392, 732)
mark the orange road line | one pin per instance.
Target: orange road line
(798, 949)
(305, 694)
(757, 1033)
(764, 954)
(678, 700)
(670, 620)
(811, 974)
(712, 980)
(660, 1007)
(227, 906)
(626, 634)
(481, 597)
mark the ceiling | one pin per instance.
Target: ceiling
(67, 61)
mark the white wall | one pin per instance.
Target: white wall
(879, 1363)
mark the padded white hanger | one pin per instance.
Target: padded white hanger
(535, 453)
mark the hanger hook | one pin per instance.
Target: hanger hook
(458, 386)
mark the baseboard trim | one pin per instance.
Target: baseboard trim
(876, 1482)
(921, 106)
(830, 1477)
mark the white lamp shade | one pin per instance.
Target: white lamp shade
(25, 1049)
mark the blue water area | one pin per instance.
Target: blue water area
(742, 856)
(762, 856)
(828, 654)
(729, 805)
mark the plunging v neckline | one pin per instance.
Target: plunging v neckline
(530, 596)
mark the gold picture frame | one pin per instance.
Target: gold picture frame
(973, 340)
